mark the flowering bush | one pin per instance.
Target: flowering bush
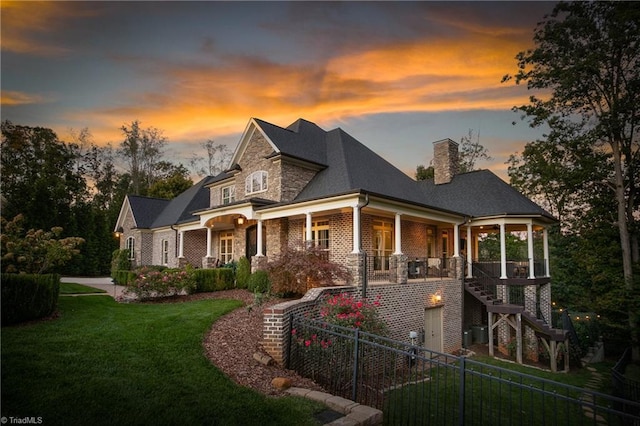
(346, 311)
(151, 282)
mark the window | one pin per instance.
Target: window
(226, 247)
(131, 246)
(165, 252)
(228, 194)
(319, 234)
(382, 244)
(256, 182)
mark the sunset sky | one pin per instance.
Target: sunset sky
(397, 76)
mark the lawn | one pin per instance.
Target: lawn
(73, 288)
(101, 362)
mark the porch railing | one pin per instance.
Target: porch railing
(515, 268)
(413, 385)
(378, 268)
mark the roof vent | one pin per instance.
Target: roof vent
(445, 161)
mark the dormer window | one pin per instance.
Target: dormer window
(256, 182)
(228, 194)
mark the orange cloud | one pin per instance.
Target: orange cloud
(12, 98)
(27, 25)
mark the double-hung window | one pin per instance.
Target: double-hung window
(228, 194)
(256, 182)
(226, 247)
(319, 234)
(165, 252)
(131, 246)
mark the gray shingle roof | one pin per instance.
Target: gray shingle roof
(180, 209)
(146, 209)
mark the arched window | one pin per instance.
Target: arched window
(256, 182)
(131, 246)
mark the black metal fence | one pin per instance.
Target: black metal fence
(413, 385)
(624, 386)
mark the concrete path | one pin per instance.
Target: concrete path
(103, 283)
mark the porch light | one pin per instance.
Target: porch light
(119, 232)
(437, 297)
(240, 221)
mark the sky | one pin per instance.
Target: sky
(397, 76)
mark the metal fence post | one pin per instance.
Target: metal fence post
(356, 360)
(461, 391)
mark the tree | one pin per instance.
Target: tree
(218, 155)
(36, 251)
(471, 150)
(173, 180)
(586, 63)
(142, 150)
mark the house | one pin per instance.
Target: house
(415, 243)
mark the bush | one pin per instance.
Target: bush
(26, 297)
(151, 282)
(120, 261)
(213, 279)
(243, 273)
(347, 311)
(259, 282)
(123, 277)
(296, 270)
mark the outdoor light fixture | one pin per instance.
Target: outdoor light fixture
(240, 220)
(119, 232)
(437, 297)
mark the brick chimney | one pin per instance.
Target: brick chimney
(445, 161)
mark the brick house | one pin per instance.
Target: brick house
(415, 243)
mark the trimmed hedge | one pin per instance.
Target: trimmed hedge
(123, 277)
(259, 282)
(27, 297)
(213, 279)
(243, 273)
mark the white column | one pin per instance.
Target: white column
(356, 229)
(469, 253)
(259, 238)
(308, 233)
(209, 241)
(398, 234)
(545, 243)
(456, 240)
(532, 272)
(503, 252)
(181, 249)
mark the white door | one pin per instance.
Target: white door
(433, 329)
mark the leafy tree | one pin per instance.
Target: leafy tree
(424, 173)
(36, 251)
(142, 150)
(39, 175)
(172, 181)
(586, 64)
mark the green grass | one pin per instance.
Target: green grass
(102, 362)
(73, 288)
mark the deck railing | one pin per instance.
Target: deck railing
(515, 268)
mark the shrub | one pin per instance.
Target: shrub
(123, 277)
(259, 282)
(120, 261)
(213, 279)
(297, 270)
(154, 283)
(346, 311)
(26, 297)
(243, 272)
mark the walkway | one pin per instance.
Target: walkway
(102, 283)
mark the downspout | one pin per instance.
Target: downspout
(365, 275)
(177, 237)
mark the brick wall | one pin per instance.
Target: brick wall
(195, 246)
(402, 307)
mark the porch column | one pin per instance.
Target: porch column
(181, 244)
(532, 272)
(503, 252)
(469, 253)
(398, 232)
(308, 232)
(259, 252)
(356, 229)
(209, 241)
(456, 240)
(545, 243)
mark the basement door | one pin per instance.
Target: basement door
(433, 329)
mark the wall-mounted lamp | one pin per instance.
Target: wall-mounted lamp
(119, 232)
(437, 297)
(240, 221)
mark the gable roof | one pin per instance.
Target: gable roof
(146, 209)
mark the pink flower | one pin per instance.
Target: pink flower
(307, 343)
(293, 332)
